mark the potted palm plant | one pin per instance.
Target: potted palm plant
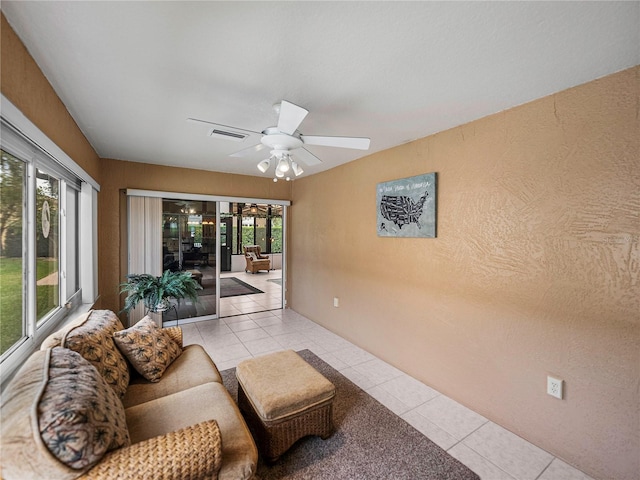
(155, 292)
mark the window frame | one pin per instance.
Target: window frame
(22, 139)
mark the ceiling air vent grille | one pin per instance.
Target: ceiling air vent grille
(228, 134)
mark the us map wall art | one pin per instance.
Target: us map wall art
(407, 207)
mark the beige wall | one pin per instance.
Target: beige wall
(119, 175)
(535, 269)
(23, 83)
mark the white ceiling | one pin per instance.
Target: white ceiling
(131, 73)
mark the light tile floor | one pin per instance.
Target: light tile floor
(268, 282)
(488, 449)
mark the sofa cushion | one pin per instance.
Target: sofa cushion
(148, 348)
(84, 429)
(275, 395)
(210, 401)
(91, 336)
(192, 368)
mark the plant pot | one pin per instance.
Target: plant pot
(163, 306)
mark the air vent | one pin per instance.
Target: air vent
(228, 134)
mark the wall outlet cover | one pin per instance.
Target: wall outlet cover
(555, 387)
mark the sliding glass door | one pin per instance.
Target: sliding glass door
(207, 237)
(189, 241)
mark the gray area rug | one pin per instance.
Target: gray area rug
(370, 442)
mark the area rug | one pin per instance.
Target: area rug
(229, 287)
(275, 280)
(370, 442)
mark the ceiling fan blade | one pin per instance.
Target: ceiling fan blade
(359, 143)
(248, 151)
(222, 127)
(291, 116)
(306, 156)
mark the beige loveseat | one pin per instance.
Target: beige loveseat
(78, 409)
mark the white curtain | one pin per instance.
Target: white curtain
(144, 243)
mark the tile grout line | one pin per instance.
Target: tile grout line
(479, 454)
(468, 435)
(547, 467)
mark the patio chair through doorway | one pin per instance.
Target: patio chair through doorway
(255, 260)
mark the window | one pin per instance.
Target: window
(276, 233)
(12, 268)
(47, 244)
(258, 224)
(72, 234)
(47, 269)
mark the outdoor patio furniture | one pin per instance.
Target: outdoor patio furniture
(255, 260)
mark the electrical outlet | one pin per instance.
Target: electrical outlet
(554, 387)
(336, 302)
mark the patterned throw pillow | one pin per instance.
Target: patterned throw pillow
(91, 337)
(80, 417)
(148, 348)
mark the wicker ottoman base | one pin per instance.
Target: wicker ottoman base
(275, 436)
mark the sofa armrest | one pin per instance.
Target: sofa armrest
(175, 333)
(193, 452)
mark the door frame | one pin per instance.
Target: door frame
(219, 199)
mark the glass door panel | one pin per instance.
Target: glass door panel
(226, 242)
(189, 244)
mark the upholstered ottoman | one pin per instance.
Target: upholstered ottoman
(283, 399)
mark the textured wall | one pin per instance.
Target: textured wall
(535, 269)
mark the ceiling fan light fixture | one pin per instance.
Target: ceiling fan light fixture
(282, 139)
(283, 164)
(264, 165)
(297, 169)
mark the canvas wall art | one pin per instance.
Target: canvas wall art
(407, 207)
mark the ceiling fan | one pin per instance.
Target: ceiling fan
(284, 141)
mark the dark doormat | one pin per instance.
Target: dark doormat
(229, 287)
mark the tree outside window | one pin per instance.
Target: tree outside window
(12, 188)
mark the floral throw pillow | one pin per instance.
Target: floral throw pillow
(80, 417)
(90, 336)
(148, 348)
